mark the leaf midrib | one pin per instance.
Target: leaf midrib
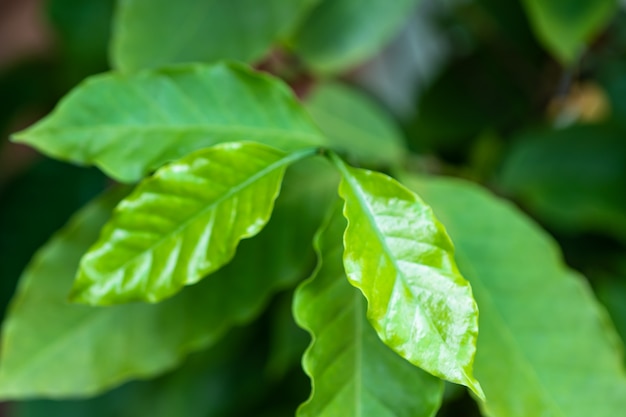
(231, 192)
(363, 203)
(218, 128)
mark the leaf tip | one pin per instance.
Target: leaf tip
(476, 389)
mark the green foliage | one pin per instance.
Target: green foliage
(135, 123)
(543, 171)
(565, 27)
(151, 33)
(182, 223)
(346, 360)
(236, 128)
(549, 334)
(338, 34)
(355, 125)
(399, 255)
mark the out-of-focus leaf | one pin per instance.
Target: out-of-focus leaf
(56, 187)
(612, 77)
(210, 383)
(354, 123)
(287, 340)
(84, 32)
(128, 125)
(353, 373)
(339, 34)
(151, 33)
(183, 223)
(52, 348)
(611, 290)
(574, 179)
(401, 258)
(473, 95)
(546, 347)
(565, 27)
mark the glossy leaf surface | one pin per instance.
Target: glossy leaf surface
(565, 27)
(543, 171)
(355, 124)
(152, 33)
(339, 34)
(52, 348)
(353, 372)
(546, 347)
(401, 258)
(129, 125)
(182, 224)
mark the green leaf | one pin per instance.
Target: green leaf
(354, 123)
(546, 347)
(339, 34)
(565, 27)
(129, 125)
(183, 223)
(23, 226)
(52, 348)
(152, 33)
(83, 29)
(353, 373)
(401, 258)
(612, 294)
(543, 170)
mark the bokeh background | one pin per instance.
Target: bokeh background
(476, 95)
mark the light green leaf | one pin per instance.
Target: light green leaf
(565, 27)
(52, 348)
(546, 347)
(354, 123)
(340, 34)
(353, 373)
(152, 33)
(401, 258)
(129, 125)
(543, 171)
(183, 223)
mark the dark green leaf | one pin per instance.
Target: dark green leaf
(353, 373)
(401, 258)
(546, 347)
(183, 223)
(52, 348)
(24, 226)
(340, 34)
(355, 124)
(151, 33)
(287, 340)
(574, 179)
(129, 125)
(565, 27)
(84, 31)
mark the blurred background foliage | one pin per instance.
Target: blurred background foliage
(495, 91)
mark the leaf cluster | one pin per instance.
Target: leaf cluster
(268, 239)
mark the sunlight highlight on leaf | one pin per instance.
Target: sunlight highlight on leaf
(183, 223)
(401, 258)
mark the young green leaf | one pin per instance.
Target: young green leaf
(353, 373)
(546, 347)
(354, 123)
(53, 348)
(129, 125)
(183, 223)
(340, 34)
(169, 32)
(565, 27)
(399, 255)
